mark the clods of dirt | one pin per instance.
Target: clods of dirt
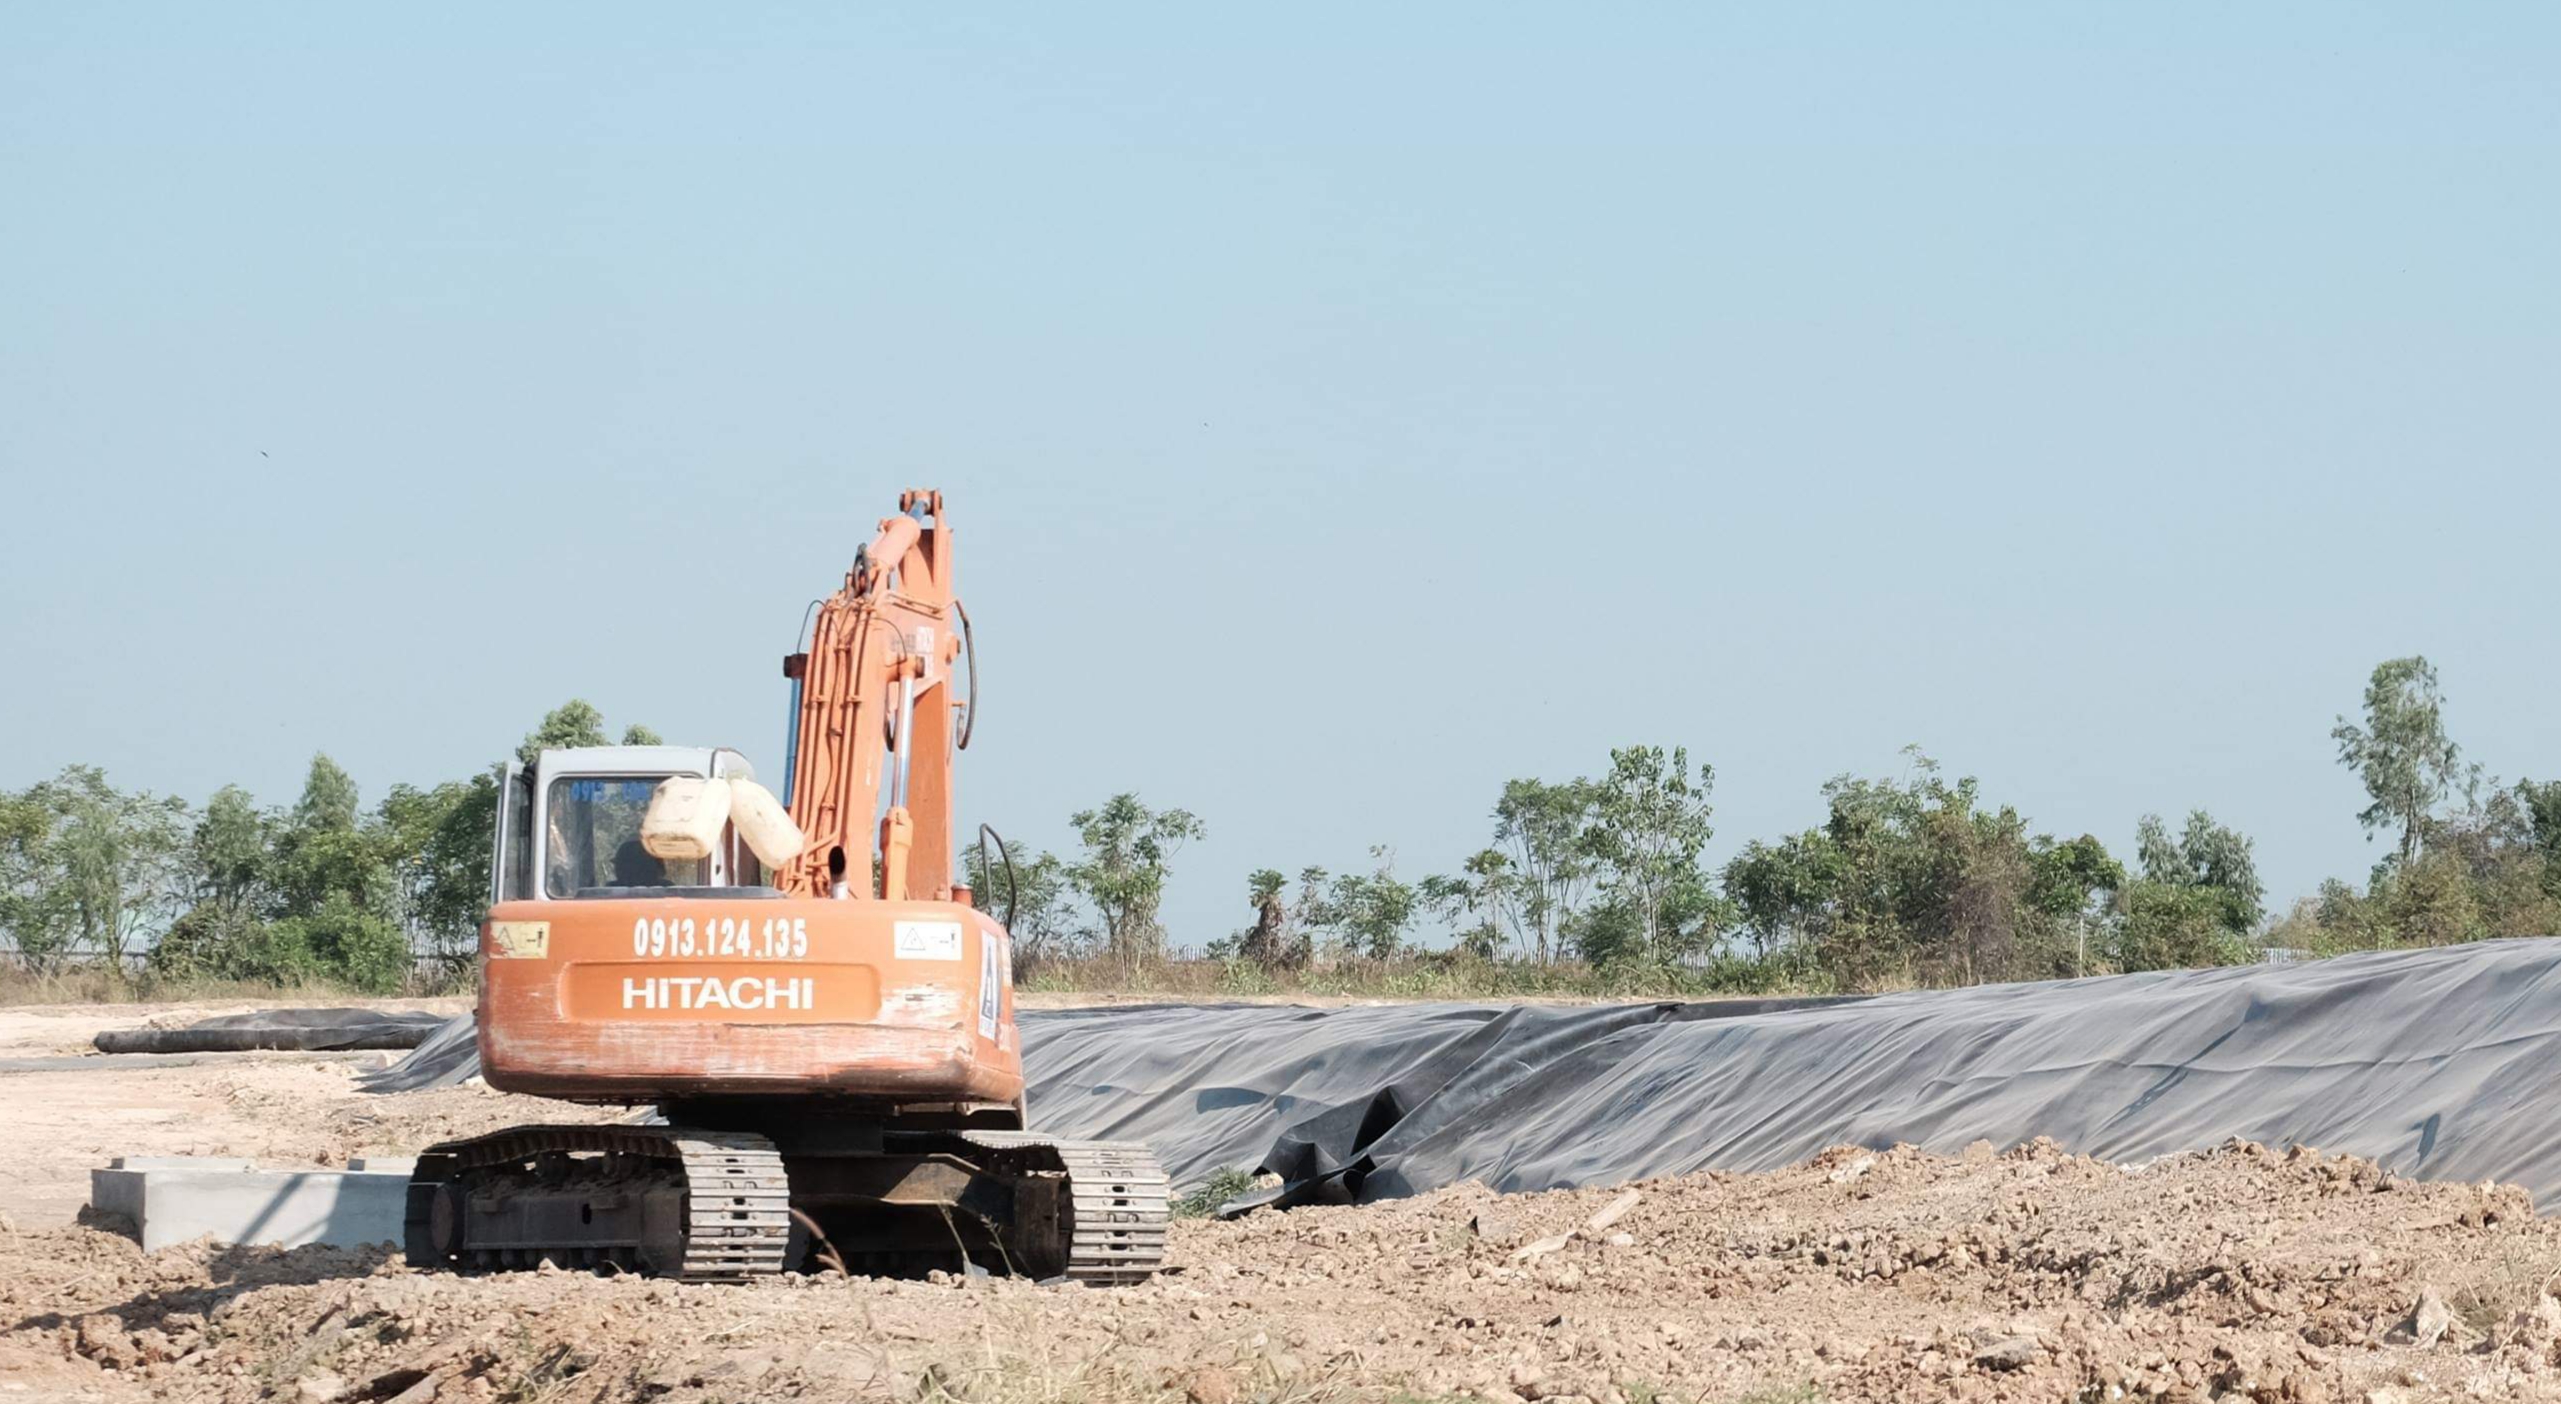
(2236, 1274)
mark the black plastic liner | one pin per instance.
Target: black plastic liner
(303, 1030)
(1319, 1096)
(2441, 1064)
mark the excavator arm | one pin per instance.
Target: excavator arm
(872, 762)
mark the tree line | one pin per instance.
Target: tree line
(1914, 879)
(322, 890)
(1910, 880)
(2471, 857)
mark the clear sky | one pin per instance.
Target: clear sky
(1343, 407)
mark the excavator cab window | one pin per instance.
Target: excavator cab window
(594, 838)
(512, 851)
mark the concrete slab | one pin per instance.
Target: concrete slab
(118, 1188)
(174, 1199)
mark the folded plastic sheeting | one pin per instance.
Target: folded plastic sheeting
(281, 1029)
(2444, 1064)
(447, 1057)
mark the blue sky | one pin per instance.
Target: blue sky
(1343, 409)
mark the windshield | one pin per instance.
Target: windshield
(594, 838)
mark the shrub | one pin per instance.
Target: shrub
(344, 941)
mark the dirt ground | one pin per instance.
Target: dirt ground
(2239, 1273)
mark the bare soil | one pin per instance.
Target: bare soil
(2239, 1273)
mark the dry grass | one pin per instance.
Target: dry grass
(1424, 975)
(2503, 1284)
(1243, 1374)
(94, 984)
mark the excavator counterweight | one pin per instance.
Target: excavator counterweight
(821, 1018)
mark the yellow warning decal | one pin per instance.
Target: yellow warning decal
(529, 940)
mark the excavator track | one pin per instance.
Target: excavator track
(704, 1206)
(715, 1206)
(737, 1207)
(1121, 1203)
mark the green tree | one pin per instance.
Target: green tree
(1892, 882)
(2336, 918)
(231, 864)
(117, 862)
(1369, 913)
(344, 939)
(35, 907)
(2195, 901)
(2541, 805)
(233, 850)
(2432, 902)
(1481, 901)
(2494, 846)
(345, 883)
(1539, 829)
(321, 849)
(2484, 868)
(206, 940)
(1917, 880)
(1267, 942)
(575, 722)
(1265, 885)
(1783, 891)
(1607, 933)
(2402, 753)
(2066, 880)
(1649, 823)
(329, 799)
(1128, 851)
(2208, 857)
(1988, 925)
(438, 842)
(1308, 911)
(2170, 926)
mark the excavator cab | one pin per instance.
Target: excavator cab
(570, 826)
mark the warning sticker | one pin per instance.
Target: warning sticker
(928, 940)
(524, 940)
(991, 982)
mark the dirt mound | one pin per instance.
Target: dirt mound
(2239, 1273)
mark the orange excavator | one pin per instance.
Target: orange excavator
(802, 989)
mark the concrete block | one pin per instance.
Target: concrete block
(175, 1199)
(118, 1188)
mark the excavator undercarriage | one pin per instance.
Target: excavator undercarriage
(702, 1204)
